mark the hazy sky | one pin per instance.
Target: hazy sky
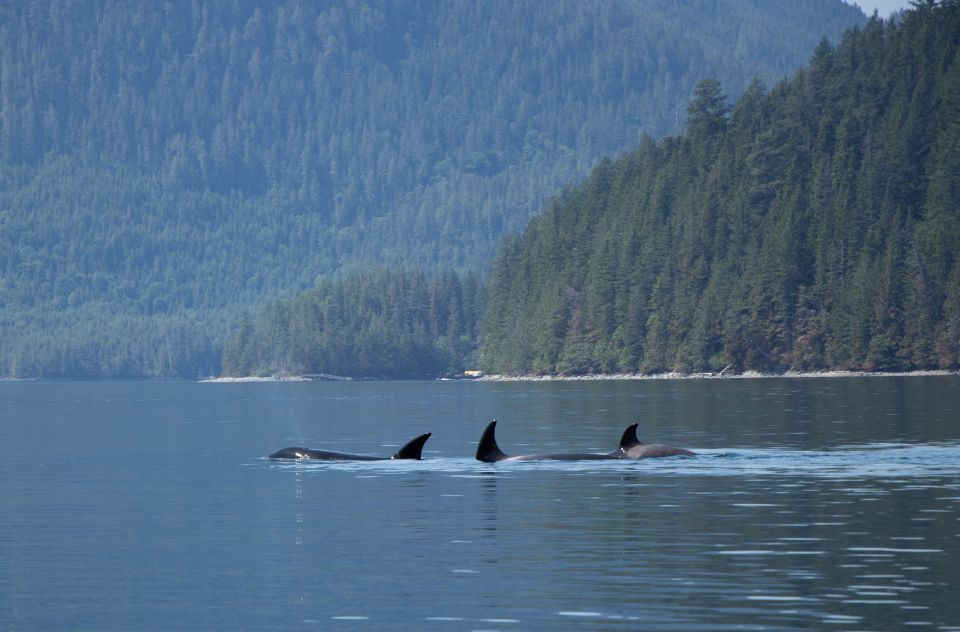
(883, 7)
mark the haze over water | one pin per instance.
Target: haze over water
(814, 504)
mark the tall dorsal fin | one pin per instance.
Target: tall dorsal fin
(629, 437)
(487, 449)
(413, 448)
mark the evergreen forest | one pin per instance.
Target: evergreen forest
(814, 225)
(381, 324)
(167, 168)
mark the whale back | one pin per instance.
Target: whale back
(291, 453)
(631, 447)
(413, 448)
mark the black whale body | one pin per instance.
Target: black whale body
(411, 450)
(630, 448)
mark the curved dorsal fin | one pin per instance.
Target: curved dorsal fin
(629, 437)
(413, 448)
(487, 449)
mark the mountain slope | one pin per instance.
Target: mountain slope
(814, 226)
(163, 165)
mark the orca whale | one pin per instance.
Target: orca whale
(630, 448)
(411, 450)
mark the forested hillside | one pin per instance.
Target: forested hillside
(813, 226)
(372, 324)
(165, 164)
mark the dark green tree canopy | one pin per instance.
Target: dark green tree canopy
(813, 226)
(385, 324)
(707, 113)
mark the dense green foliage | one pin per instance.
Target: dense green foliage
(814, 226)
(164, 165)
(374, 324)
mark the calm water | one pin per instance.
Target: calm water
(826, 504)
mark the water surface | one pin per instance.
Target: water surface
(814, 504)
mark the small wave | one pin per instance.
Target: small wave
(907, 461)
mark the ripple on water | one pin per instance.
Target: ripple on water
(906, 463)
(443, 619)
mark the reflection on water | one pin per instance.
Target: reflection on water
(813, 504)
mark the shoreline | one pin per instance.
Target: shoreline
(249, 379)
(748, 375)
(320, 377)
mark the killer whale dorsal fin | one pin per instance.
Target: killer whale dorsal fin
(413, 448)
(629, 437)
(488, 450)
